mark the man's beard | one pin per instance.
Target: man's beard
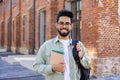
(63, 34)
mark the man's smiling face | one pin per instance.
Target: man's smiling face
(64, 26)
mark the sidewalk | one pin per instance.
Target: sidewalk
(16, 72)
(2, 50)
(11, 69)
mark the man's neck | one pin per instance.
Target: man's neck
(63, 38)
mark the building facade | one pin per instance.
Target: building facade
(26, 24)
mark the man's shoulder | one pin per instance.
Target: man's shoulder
(49, 41)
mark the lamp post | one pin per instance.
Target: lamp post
(33, 31)
(9, 27)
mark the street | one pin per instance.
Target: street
(18, 72)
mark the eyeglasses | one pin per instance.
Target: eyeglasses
(64, 23)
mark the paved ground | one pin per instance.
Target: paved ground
(108, 78)
(18, 72)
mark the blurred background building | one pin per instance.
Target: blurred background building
(26, 24)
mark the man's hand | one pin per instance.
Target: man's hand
(79, 49)
(60, 67)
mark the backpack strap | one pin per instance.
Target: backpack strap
(84, 72)
(75, 52)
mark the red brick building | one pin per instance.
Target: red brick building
(26, 24)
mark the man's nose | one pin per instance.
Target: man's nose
(64, 25)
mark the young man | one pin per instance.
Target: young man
(67, 69)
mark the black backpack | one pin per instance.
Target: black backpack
(84, 72)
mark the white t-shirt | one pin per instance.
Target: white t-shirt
(66, 59)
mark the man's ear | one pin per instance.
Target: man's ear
(71, 26)
(56, 25)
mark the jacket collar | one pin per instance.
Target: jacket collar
(56, 39)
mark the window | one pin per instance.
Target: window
(1, 10)
(24, 28)
(68, 5)
(79, 5)
(7, 5)
(75, 7)
(14, 2)
(42, 26)
(13, 31)
(2, 34)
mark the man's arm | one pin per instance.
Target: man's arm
(82, 54)
(40, 65)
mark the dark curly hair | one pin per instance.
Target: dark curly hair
(65, 13)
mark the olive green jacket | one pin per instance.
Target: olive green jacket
(42, 61)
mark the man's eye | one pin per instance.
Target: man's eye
(67, 23)
(61, 23)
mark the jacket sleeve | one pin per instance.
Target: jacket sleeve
(40, 65)
(85, 61)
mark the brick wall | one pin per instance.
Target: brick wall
(15, 35)
(101, 36)
(4, 19)
(51, 8)
(25, 19)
